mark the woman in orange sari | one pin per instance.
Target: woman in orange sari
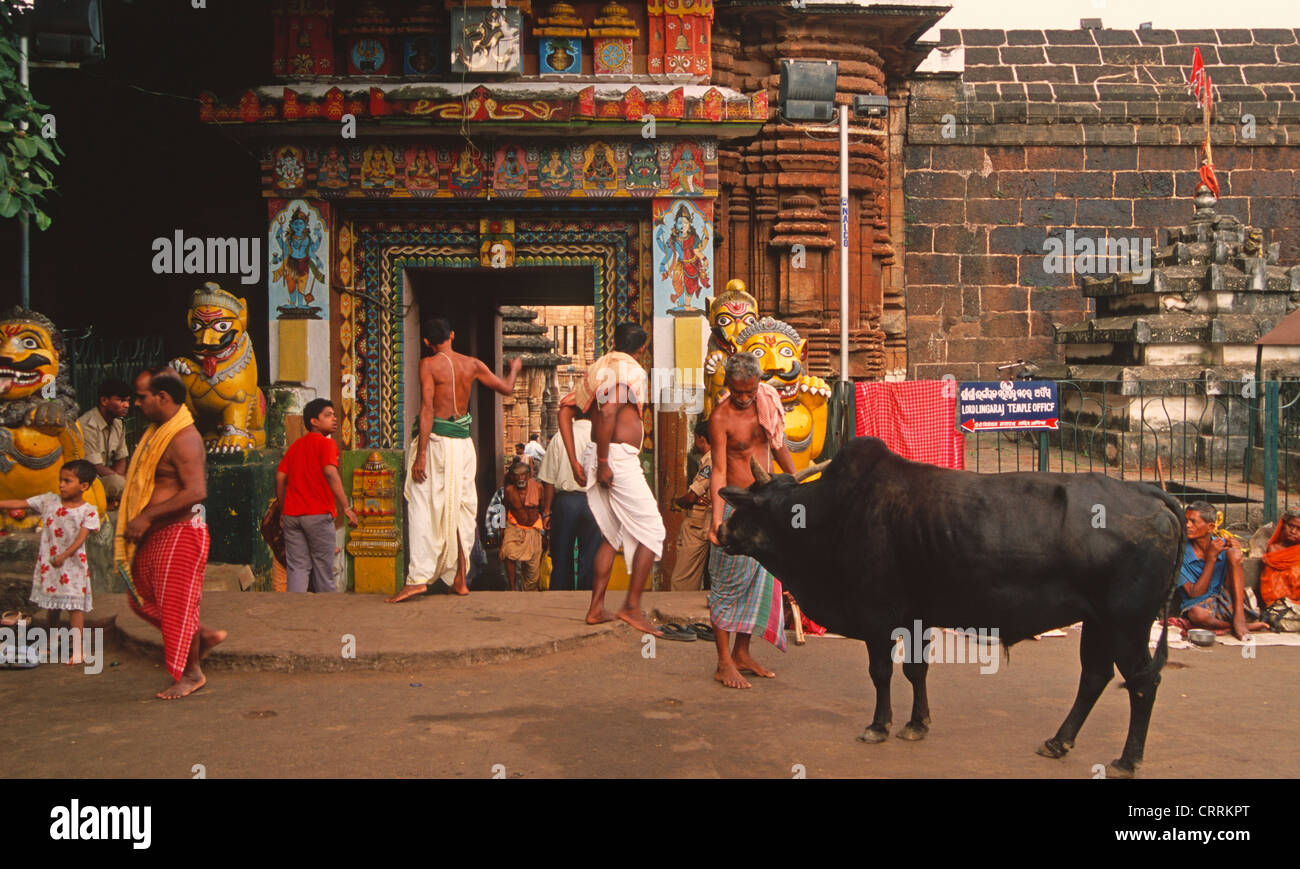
(1280, 575)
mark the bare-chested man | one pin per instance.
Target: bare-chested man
(748, 425)
(441, 498)
(611, 395)
(161, 547)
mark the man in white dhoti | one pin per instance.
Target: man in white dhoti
(441, 498)
(611, 395)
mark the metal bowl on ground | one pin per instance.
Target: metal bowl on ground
(1200, 637)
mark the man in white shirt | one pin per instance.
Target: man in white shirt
(534, 450)
(565, 513)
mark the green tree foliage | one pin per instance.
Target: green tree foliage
(27, 160)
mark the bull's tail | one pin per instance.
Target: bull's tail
(1152, 670)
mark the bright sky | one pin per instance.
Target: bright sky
(1120, 14)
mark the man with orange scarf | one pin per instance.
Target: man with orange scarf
(1280, 575)
(161, 547)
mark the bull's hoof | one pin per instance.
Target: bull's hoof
(874, 735)
(1054, 748)
(1120, 769)
(912, 732)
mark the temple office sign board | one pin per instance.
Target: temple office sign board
(1009, 405)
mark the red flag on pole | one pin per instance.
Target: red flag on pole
(1196, 83)
(1207, 166)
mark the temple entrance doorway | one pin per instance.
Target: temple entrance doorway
(484, 307)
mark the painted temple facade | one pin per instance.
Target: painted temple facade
(444, 159)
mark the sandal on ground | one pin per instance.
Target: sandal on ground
(10, 618)
(704, 632)
(677, 632)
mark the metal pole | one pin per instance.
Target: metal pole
(844, 244)
(24, 223)
(1272, 395)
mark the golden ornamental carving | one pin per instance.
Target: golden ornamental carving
(563, 20)
(616, 21)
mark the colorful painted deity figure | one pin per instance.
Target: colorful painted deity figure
(333, 171)
(730, 312)
(377, 168)
(466, 173)
(221, 377)
(298, 264)
(554, 171)
(288, 168)
(687, 175)
(421, 171)
(38, 412)
(685, 263)
(642, 167)
(599, 170)
(511, 173)
(780, 353)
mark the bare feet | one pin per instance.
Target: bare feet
(637, 619)
(459, 587)
(209, 638)
(75, 660)
(746, 664)
(730, 677)
(189, 682)
(409, 591)
(599, 618)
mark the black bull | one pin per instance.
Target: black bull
(879, 542)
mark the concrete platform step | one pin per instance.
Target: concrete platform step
(337, 632)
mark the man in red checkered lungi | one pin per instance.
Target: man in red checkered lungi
(162, 545)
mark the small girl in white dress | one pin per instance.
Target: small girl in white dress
(61, 580)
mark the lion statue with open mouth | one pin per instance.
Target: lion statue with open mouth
(780, 354)
(38, 413)
(221, 377)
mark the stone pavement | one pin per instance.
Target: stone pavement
(310, 632)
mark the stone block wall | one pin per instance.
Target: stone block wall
(1091, 130)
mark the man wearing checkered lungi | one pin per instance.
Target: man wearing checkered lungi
(747, 425)
(161, 547)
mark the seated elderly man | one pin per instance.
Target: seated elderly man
(1211, 588)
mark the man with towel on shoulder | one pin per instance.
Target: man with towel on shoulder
(611, 395)
(161, 547)
(746, 429)
(441, 499)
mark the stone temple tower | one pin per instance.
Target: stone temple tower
(1192, 314)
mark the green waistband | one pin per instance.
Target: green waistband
(452, 428)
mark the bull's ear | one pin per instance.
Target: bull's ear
(736, 496)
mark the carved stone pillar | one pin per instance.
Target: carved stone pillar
(782, 187)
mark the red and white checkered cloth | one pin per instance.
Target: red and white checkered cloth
(915, 418)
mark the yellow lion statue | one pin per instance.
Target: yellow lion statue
(38, 413)
(780, 353)
(730, 311)
(221, 378)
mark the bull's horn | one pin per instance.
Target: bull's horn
(761, 476)
(810, 470)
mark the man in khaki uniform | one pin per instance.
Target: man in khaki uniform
(104, 434)
(693, 539)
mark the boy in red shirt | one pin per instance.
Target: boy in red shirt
(308, 485)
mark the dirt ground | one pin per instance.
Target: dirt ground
(606, 711)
